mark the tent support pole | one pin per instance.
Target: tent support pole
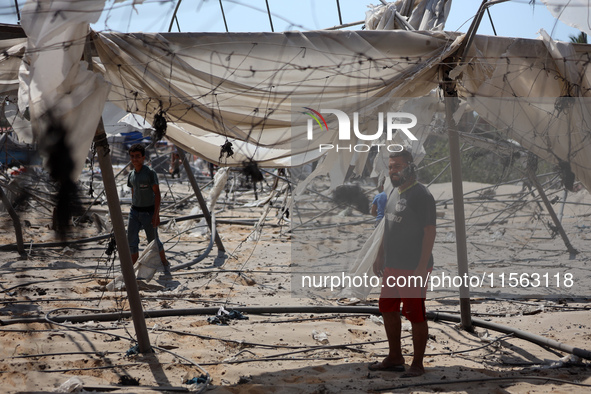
(451, 104)
(534, 179)
(133, 294)
(564, 197)
(135, 304)
(200, 198)
(16, 221)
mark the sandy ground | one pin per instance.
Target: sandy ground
(277, 352)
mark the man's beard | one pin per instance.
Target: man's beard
(397, 182)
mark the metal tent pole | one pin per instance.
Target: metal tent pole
(534, 179)
(200, 198)
(451, 104)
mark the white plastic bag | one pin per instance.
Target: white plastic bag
(148, 262)
(145, 267)
(72, 385)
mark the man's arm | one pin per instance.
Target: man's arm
(374, 209)
(157, 198)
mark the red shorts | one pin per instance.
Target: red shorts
(398, 287)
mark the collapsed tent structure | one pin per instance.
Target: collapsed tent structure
(251, 89)
(246, 87)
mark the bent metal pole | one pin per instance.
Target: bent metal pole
(200, 199)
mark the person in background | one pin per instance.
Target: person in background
(378, 204)
(175, 164)
(145, 205)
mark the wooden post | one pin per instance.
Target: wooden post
(200, 198)
(133, 294)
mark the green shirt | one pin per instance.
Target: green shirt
(141, 182)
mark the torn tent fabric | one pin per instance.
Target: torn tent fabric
(536, 92)
(55, 85)
(247, 87)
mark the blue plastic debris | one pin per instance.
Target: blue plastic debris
(135, 349)
(223, 317)
(201, 379)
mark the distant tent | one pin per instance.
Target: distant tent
(134, 137)
(13, 152)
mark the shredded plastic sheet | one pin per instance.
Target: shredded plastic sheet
(241, 86)
(54, 80)
(219, 182)
(420, 15)
(145, 267)
(223, 317)
(11, 52)
(148, 262)
(575, 13)
(364, 263)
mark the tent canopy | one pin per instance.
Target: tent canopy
(251, 88)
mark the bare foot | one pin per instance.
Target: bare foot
(393, 361)
(388, 364)
(413, 372)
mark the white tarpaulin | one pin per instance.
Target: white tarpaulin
(246, 87)
(55, 84)
(11, 52)
(575, 13)
(408, 15)
(534, 91)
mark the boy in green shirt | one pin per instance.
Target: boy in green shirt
(145, 205)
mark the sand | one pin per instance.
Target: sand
(278, 352)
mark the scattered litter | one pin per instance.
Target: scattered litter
(135, 349)
(72, 385)
(247, 280)
(223, 317)
(349, 301)
(345, 212)
(498, 235)
(567, 360)
(406, 327)
(128, 381)
(450, 237)
(321, 337)
(486, 337)
(377, 319)
(68, 251)
(195, 381)
(199, 380)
